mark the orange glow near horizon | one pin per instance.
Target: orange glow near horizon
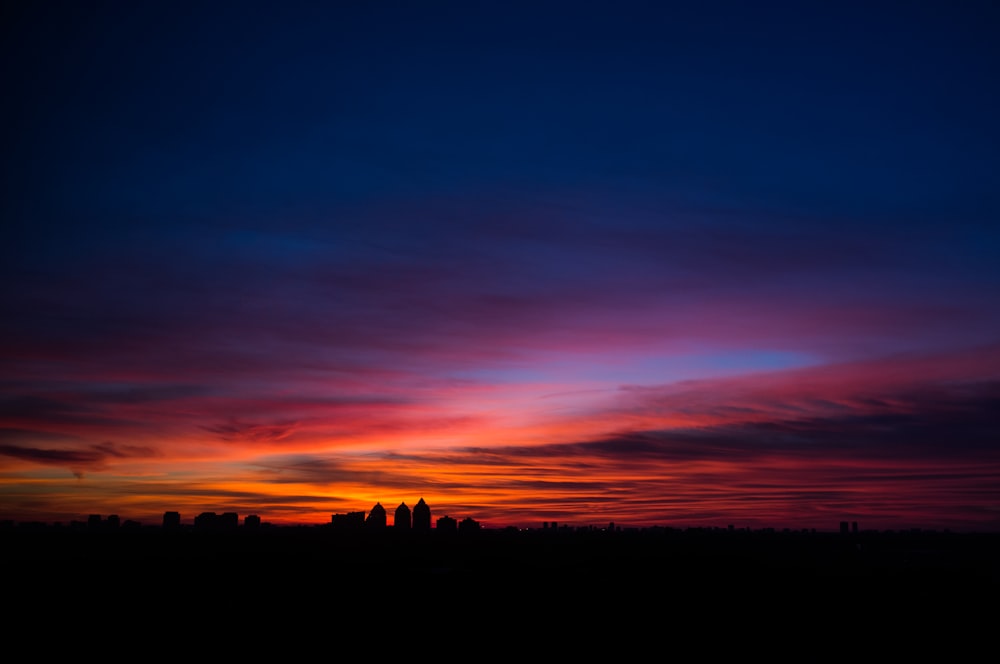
(736, 450)
(799, 447)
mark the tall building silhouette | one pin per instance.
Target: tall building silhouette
(171, 520)
(401, 520)
(376, 517)
(421, 516)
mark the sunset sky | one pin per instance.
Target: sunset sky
(655, 263)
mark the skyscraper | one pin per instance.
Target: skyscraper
(421, 516)
(376, 517)
(402, 519)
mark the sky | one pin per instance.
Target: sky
(652, 263)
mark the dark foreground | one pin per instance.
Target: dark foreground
(654, 586)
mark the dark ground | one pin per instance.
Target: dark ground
(732, 589)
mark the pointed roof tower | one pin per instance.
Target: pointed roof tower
(376, 517)
(402, 517)
(421, 516)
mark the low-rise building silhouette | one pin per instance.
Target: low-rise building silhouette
(469, 524)
(97, 522)
(349, 521)
(206, 521)
(213, 521)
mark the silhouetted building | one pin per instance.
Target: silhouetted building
(206, 521)
(94, 521)
(251, 521)
(401, 520)
(228, 520)
(376, 517)
(112, 522)
(171, 520)
(349, 521)
(843, 527)
(421, 516)
(447, 524)
(468, 524)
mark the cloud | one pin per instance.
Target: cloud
(89, 458)
(235, 431)
(49, 409)
(923, 452)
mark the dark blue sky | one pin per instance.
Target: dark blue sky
(869, 112)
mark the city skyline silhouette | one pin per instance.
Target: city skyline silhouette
(889, 586)
(420, 519)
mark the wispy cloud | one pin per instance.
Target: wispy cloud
(80, 459)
